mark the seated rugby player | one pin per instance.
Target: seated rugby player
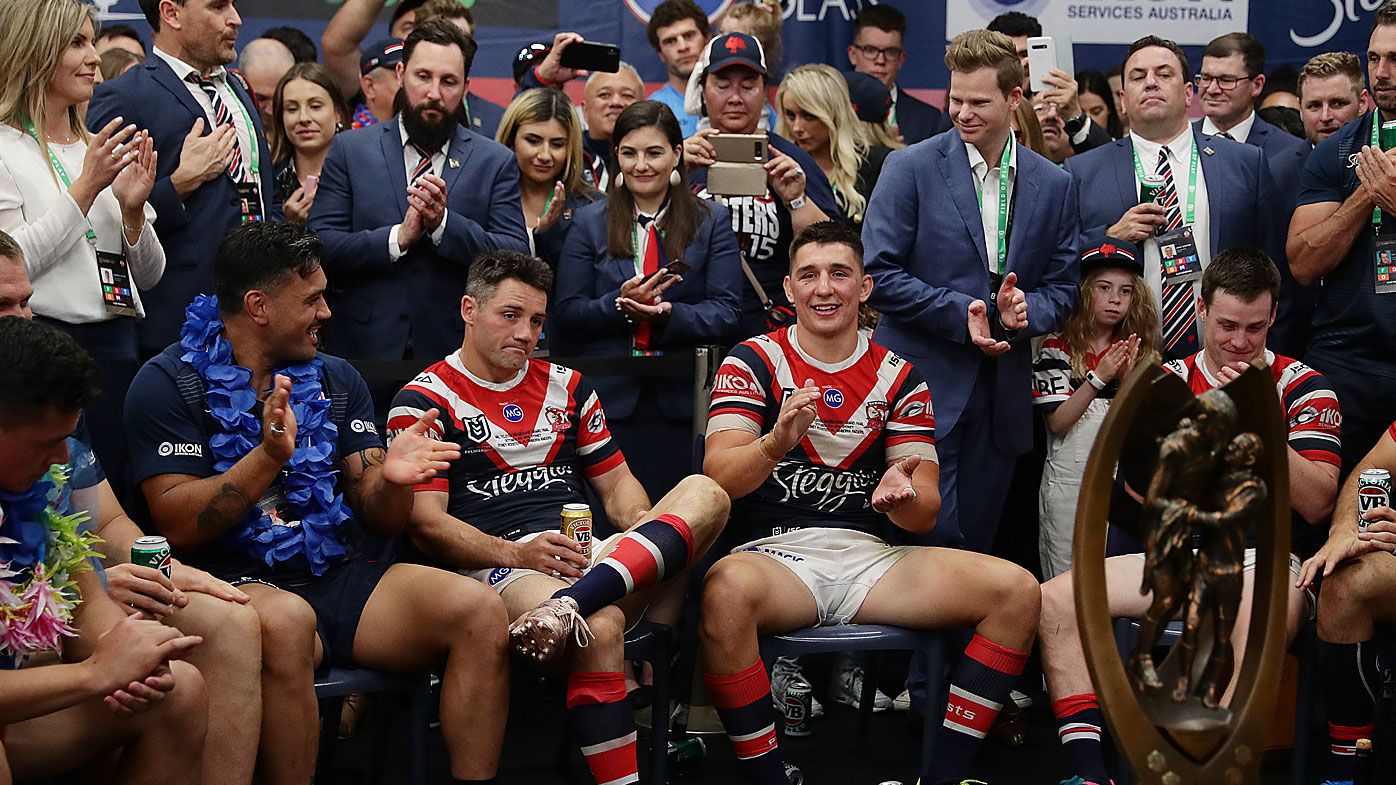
(529, 434)
(259, 458)
(1240, 290)
(825, 441)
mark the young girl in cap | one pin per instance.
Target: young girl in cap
(1114, 325)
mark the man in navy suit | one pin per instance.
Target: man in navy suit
(215, 168)
(1218, 194)
(972, 241)
(879, 33)
(404, 206)
(1232, 77)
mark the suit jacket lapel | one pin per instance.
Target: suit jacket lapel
(165, 77)
(1126, 188)
(1211, 173)
(393, 162)
(954, 168)
(1025, 208)
(456, 156)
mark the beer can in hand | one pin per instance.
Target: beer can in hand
(1373, 491)
(152, 552)
(576, 525)
(1151, 188)
(797, 709)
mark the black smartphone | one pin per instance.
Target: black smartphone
(591, 56)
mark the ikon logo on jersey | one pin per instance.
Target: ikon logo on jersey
(833, 398)
(513, 412)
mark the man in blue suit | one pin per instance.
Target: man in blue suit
(972, 242)
(878, 50)
(1229, 84)
(215, 169)
(1212, 193)
(404, 206)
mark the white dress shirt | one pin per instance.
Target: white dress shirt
(242, 119)
(37, 210)
(1241, 132)
(1179, 159)
(986, 182)
(410, 159)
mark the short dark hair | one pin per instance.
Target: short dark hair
(151, 9)
(1248, 46)
(883, 17)
(1386, 15)
(1243, 272)
(10, 249)
(1153, 40)
(57, 373)
(672, 11)
(828, 233)
(442, 33)
(261, 255)
(492, 268)
(120, 31)
(1016, 23)
(450, 10)
(403, 7)
(302, 48)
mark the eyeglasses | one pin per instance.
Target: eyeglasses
(872, 52)
(1226, 83)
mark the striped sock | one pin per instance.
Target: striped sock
(978, 688)
(648, 554)
(1078, 725)
(604, 726)
(1348, 676)
(743, 701)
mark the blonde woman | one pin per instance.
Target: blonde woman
(76, 202)
(543, 131)
(816, 112)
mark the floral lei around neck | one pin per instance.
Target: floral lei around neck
(308, 479)
(41, 554)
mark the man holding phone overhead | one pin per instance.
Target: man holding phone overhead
(796, 195)
(1054, 83)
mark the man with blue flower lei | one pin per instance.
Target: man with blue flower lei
(79, 679)
(260, 462)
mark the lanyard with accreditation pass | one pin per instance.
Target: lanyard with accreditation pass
(1179, 260)
(1383, 248)
(1001, 249)
(118, 298)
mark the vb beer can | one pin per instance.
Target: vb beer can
(576, 525)
(1150, 188)
(1373, 491)
(797, 708)
(152, 552)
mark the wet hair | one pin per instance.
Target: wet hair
(261, 256)
(493, 268)
(57, 373)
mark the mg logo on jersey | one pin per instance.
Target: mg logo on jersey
(513, 412)
(498, 574)
(833, 398)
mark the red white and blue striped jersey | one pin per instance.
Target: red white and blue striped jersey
(875, 409)
(1053, 381)
(1311, 406)
(526, 444)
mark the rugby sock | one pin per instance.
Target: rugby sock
(648, 554)
(1349, 676)
(743, 701)
(1078, 725)
(604, 726)
(979, 686)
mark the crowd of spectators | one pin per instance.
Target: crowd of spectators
(200, 240)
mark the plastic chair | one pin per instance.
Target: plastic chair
(873, 637)
(331, 688)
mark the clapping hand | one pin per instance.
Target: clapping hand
(1118, 359)
(1012, 304)
(797, 413)
(414, 457)
(132, 184)
(279, 421)
(979, 333)
(896, 489)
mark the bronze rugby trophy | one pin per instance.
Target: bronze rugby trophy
(1195, 473)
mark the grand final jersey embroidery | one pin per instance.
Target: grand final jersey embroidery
(875, 408)
(526, 444)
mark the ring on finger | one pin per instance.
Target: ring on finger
(557, 574)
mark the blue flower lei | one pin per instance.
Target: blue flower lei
(22, 520)
(309, 478)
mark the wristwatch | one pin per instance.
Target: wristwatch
(1095, 381)
(797, 202)
(1075, 124)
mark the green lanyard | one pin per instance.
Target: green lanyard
(1192, 180)
(62, 173)
(1004, 180)
(252, 137)
(1376, 142)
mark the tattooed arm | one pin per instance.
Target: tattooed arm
(377, 483)
(192, 512)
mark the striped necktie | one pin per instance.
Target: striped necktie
(423, 166)
(1179, 302)
(221, 117)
